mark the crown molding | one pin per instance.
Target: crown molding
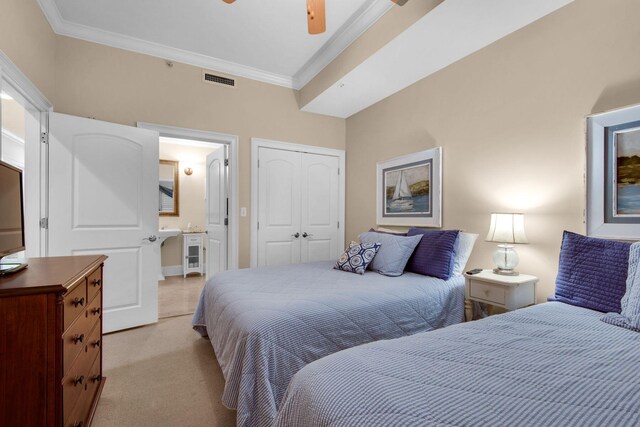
(83, 32)
(366, 16)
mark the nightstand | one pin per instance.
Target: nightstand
(508, 292)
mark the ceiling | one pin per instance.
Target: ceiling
(261, 39)
(450, 32)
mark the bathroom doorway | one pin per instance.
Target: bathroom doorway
(196, 204)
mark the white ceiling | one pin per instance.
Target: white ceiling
(262, 39)
(451, 31)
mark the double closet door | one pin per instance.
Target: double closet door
(298, 207)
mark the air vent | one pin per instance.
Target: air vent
(208, 77)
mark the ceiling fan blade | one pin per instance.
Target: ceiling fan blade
(398, 2)
(316, 16)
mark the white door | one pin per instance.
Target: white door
(278, 207)
(320, 192)
(103, 199)
(216, 212)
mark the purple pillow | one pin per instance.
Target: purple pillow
(435, 253)
(592, 272)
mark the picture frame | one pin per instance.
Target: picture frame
(409, 190)
(613, 174)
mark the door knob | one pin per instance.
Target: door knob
(306, 235)
(296, 235)
(151, 238)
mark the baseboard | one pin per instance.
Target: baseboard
(172, 270)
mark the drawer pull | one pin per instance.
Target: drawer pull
(96, 282)
(77, 301)
(78, 424)
(96, 378)
(96, 311)
(96, 343)
(78, 338)
(78, 380)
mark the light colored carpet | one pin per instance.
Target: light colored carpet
(178, 296)
(161, 375)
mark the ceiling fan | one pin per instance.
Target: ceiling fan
(316, 17)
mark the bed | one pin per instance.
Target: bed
(265, 324)
(550, 364)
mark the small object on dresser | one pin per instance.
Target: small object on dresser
(474, 271)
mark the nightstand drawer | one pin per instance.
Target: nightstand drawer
(485, 291)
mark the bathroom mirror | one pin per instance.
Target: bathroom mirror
(169, 193)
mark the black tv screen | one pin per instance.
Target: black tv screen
(11, 210)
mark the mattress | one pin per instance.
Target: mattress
(265, 324)
(550, 364)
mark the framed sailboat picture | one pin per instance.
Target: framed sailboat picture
(409, 190)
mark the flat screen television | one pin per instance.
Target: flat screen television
(11, 217)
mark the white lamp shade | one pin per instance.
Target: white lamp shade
(507, 228)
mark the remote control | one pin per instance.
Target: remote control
(474, 271)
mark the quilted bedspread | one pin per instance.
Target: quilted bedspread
(265, 324)
(547, 365)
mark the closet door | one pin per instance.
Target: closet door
(279, 207)
(319, 207)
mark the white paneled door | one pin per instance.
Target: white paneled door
(279, 207)
(103, 195)
(298, 207)
(319, 196)
(216, 212)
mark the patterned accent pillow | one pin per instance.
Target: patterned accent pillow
(592, 272)
(630, 315)
(357, 257)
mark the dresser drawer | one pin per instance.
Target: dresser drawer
(78, 416)
(73, 384)
(94, 284)
(74, 303)
(95, 378)
(94, 343)
(491, 293)
(74, 340)
(94, 310)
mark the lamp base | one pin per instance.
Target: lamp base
(506, 260)
(505, 272)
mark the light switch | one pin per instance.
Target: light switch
(243, 211)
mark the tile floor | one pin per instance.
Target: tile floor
(178, 296)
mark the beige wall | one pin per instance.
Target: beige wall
(511, 121)
(28, 40)
(192, 194)
(125, 87)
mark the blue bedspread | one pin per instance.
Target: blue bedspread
(266, 324)
(551, 364)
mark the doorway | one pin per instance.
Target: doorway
(196, 203)
(23, 113)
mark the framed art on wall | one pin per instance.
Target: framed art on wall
(409, 190)
(613, 174)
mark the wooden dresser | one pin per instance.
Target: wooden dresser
(51, 342)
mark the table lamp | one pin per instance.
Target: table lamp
(506, 228)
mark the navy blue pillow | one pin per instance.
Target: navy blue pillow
(435, 253)
(592, 272)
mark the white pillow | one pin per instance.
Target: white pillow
(463, 249)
